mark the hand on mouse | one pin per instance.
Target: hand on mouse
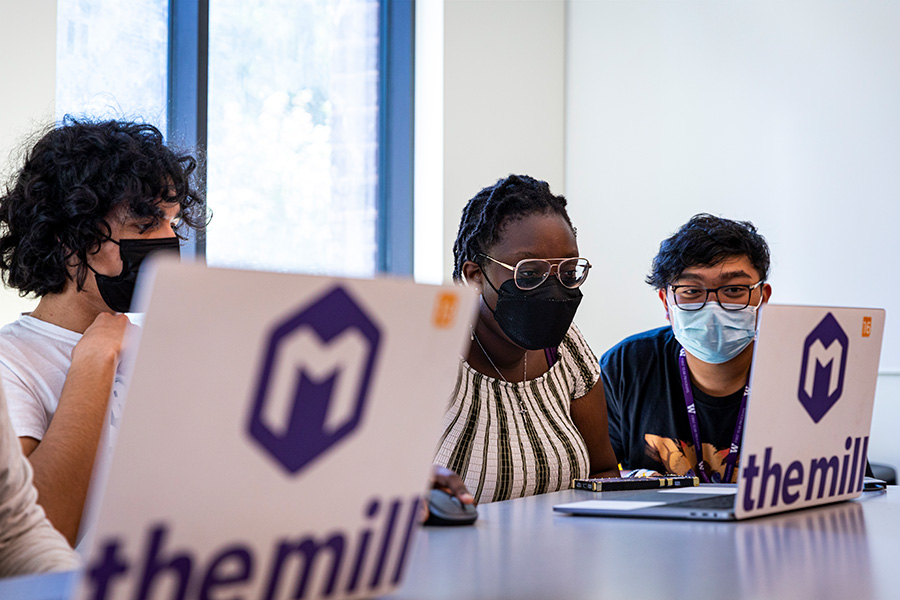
(444, 478)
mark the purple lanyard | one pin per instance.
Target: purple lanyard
(695, 426)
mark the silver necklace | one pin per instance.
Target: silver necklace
(522, 408)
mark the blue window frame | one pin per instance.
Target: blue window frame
(189, 67)
(395, 209)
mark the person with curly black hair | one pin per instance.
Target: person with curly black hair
(528, 414)
(90, 202)
(676, 395)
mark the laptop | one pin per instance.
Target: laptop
(277, 437)
(806, 433)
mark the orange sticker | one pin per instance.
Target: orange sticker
(445, 310)
(867, 326)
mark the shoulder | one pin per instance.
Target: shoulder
(648, 346)
(576, 346)
(11, 330)
(15, 342)
(577, 358)
(34, 359)
(28, 340)
(574, 336)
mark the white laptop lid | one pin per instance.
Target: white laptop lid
(277, 435)
(812, 390)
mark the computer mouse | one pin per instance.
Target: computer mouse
(445, 509)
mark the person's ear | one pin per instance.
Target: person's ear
(472, 275)
(665, 301)
(766, 292)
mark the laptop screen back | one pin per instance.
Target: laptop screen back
(277, 435)
(812, 391)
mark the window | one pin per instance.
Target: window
(111, 59)
(293, 135)
(308, 166)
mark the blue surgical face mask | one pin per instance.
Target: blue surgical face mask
(713, 334)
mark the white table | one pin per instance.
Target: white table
(522, 549)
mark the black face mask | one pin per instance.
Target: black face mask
(538, 318)
(117, 291)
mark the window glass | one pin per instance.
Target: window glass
(293, 124)
(111, 59)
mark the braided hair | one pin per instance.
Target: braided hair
(485, 216)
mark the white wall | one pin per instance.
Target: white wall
(503, 110)
(28, 73)
(781, 112)
(428, 145)
(642, 113)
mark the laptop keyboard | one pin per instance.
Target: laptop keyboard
(717, 501)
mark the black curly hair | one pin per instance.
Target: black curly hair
(705, 241)
(55, 207)
(485, 215)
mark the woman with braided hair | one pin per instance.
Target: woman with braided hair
(528, 413)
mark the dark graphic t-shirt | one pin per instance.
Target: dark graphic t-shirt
(648, 423)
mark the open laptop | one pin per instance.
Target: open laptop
(812, 390)
(277, 436)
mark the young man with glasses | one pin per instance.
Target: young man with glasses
(683, 387)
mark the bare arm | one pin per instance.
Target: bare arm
(28, 543)
(64, 459)
(589, 416)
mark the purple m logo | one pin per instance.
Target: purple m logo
(822, 371)
(315, 379)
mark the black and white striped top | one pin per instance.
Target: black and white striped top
(502, 452)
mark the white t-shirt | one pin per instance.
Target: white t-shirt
(34, 360)
(28, 543)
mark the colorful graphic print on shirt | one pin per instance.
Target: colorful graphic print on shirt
(679, 457)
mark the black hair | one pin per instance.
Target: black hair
(55, 207)
(705, 241)
(485, 215)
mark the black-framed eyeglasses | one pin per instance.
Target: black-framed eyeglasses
(730, 297)
(529, 273)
